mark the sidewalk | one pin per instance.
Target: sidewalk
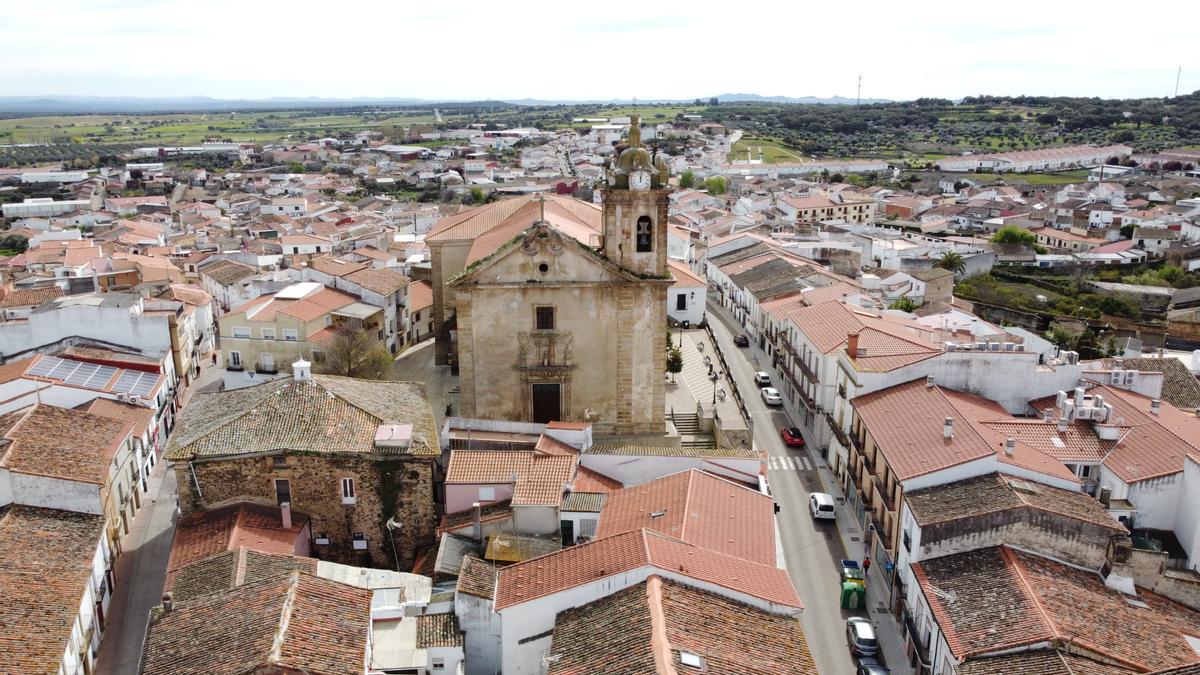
(139, 573)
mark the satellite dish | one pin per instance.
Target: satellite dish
(392, 524)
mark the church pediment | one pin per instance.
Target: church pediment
(541, 254)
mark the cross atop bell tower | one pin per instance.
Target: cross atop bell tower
(635, 207)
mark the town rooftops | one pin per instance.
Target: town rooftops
(641, 549)
(994, 492)
(998, 599)
(698, 508)
(226, 272)
(518, 212)
(45, 565)
(293, 623)
(685, 277)
(669, 451)
(1180, 387)
(329, 415)
(254, 526)
(420, 296)
(229, 569)
(650, 627)
(538, 478)
(28, 297)
(61, 443)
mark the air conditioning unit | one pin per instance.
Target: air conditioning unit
(1130, 376)
(1117, 377)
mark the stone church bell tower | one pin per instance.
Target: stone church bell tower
(635, 208)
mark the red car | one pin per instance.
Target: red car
(791, 437)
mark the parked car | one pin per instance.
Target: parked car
(791, 437)
(762, 379)
(771, 396)
(741, 340)
(869, 665)
(860, 636)
(820, 505)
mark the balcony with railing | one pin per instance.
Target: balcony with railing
(885, 495)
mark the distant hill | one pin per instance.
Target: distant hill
(74, 105)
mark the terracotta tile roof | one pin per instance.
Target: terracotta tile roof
(685, 277)
(45, 565)
(230, 569)
(1151, 445)
(619, 634)
(584, 502)
(625, 552)
(827, 324)
(1040, 662)
(1077, 444)
(420, 296)
(327, 415)
(139, 416)
(298, 622)
(997, 598)
(381, 281)
(906, 422)
(539, 477)
(587, 480)
(254, 526)
(336, 266)
(992, 493)
(29, 297)
(698, 508)
(63, 443)
(438, 630)
(548, 445)
(523, 211)
(1180, 387)
(192, 295)
(318, 304)
(226, 272)
(478, 578)
(487, 512)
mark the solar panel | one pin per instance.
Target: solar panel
(44, 366)
(145, 384)
(136, 383)
(63, 369)
(101, 377)
(126, 381)
(80, 375)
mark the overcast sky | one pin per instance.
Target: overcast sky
(561, 49)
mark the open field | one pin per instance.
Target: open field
(772, 151)
(1061, 178)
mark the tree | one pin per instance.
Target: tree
(903, 304)
(715, 185)
(295, 167)
(674, 361)
(837, 178)
(1011, 234)
(687, 179)
(355, 353)
(1047, 119)
(953, 261)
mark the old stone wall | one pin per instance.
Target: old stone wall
(1074, 541)
(400, 487)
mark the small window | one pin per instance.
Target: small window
(487, 494)
(268, 333)
(680, 302)
(235, 359)
(360, 541)
(437, 664)
(289, 334)
(545, 318)
(279, 461)
(240, 331)
(348, 496)
(283, 491)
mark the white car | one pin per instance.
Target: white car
(762, 379)
(771, 396)
(820, 505)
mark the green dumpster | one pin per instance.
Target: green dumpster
(853, 595)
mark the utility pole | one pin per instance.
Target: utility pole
(1177, 74)
(858, 96)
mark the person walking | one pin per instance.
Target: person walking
(866, 566)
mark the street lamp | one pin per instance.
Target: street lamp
(714, 376)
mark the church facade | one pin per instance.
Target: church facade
(552, 328)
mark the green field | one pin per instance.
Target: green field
(772, 151)
(1062, 178)
(196, 127)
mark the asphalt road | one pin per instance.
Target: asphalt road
(813, 550)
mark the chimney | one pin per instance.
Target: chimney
(1062, 424)
(1106, 496)
(1155, 406)
(168, 603)
(1078, 397)
(948, 428)
(476, 522)
(302, 370)
(1010, 444)
(852, 345)
(285, 513)
(929, 381)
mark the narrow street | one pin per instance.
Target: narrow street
(813, 549)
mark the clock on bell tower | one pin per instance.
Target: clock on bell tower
(635, 208)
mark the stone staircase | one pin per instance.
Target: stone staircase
(687, 424)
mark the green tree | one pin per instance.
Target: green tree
(355, 353)
(1011, 234)
(674, 361)
(715, 185)
(953, 261)
(295, 167)
(687, 179)
(903, 304)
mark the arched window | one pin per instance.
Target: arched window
(645, 235)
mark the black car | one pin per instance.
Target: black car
(741, 340)
(869, 665)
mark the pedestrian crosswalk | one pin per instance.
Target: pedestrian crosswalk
(789, 463)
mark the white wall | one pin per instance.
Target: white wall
(481, 632)
(56, 493)
(1187, 521)
(1156, 500)
(148, 334)
(6, 491)
(694, 297)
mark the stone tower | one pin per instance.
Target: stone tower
(635, 209)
